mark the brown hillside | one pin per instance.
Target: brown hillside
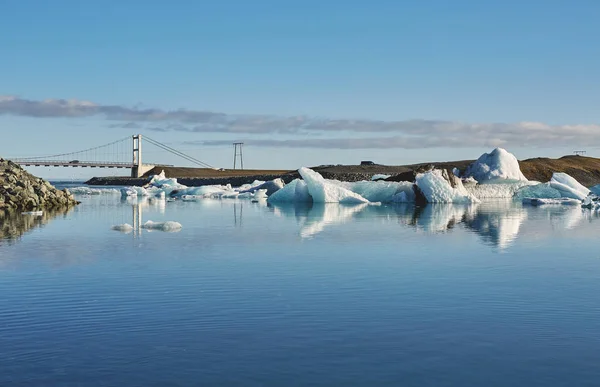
(586, 170)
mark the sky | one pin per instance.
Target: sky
(301, 83)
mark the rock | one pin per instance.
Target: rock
(21, 190)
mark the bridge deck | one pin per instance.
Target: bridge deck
(82, 164)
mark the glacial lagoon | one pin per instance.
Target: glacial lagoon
(253, 294)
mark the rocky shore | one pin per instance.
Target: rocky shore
(20, 190)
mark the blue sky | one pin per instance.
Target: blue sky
(302, 82)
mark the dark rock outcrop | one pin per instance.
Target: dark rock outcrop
(21, 190)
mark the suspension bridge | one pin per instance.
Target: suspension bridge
(123, 153)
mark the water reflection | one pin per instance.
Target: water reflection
(13, 224)
(498, 223)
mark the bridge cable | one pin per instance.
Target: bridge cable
(178, 153)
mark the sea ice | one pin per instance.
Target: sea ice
(498, 164)
(168, 226)
(568, 186)
(437, 189)
(327, 191)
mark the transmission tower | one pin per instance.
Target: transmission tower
(237, 151)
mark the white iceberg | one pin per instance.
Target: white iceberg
(161, 181)
(169, 226)
(437, 189)
(326, 191)
(498, 164)
(568, 186)
(295, 191)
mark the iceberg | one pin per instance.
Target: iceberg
(295, 191)
(498, 164)
(168, 226)
(327, 191)
(436, 189)
(568, 186)
(537, 191)
(161, 181)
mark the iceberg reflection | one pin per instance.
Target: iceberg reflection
(497, 223)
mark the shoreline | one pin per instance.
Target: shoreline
(584, 169)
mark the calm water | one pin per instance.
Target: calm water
(252, 295)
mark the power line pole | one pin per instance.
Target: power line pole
(237, 151)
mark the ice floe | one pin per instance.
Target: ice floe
(93, 191)
(125, 228)
(557, 201)
(169, 226)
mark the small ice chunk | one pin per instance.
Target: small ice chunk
(568, 186)
(169, 226)
(93, 191)
(380, 176)
(498, 164)
(325, 191)
(125, 227)
(545, 201)
(260, 194)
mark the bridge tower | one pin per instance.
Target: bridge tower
(138, 168)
